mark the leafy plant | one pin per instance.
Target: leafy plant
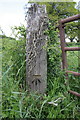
(18, 102)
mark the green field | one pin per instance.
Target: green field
(73, 59)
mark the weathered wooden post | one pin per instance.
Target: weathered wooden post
(36, 69)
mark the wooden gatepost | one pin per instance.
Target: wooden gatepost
(36, 69)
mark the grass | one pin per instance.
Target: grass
(73, 59)
(20, 103)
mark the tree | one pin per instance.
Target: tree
(60, 10)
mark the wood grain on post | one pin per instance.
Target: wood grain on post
(36, 68)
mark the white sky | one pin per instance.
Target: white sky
(12, 13)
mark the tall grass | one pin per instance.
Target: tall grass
(73, 60)
(19, 103)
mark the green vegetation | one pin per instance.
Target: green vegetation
(56, 102)
(60, 10)
(18, 103)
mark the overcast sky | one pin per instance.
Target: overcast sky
(12, 13)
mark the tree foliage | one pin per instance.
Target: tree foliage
(19, 32)
(60, 10)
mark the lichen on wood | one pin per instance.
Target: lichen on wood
(36, 68)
